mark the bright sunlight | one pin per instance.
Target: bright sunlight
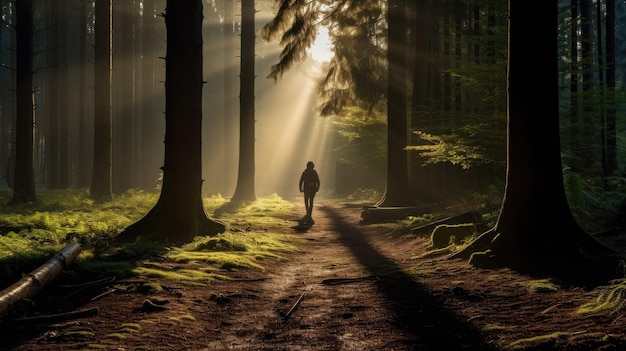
(322, 48)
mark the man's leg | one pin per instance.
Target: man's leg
(311, 198)
(307, 205)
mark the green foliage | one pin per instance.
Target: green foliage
(594, 202)
(543, 286)
(451, 148)
(368, 196)
(363, 144)
(469, 140)
(606, 298)
(29, 234)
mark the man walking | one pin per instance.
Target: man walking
(309, 185)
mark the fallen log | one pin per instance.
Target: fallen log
(38, 279)
(467, 217)
(373, 214)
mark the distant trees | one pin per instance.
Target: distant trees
(245, 176)
(453, 89)
(64, 94)
(592, 88)
(101, 176)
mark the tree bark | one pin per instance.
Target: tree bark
(179, 214)
(101, 175)
(124, 110)
(150, 134)
(84, 171)
(246, 175)
(534, 192)
(611, 124)
(397, 190)
(24, 187)
(229, 132)
(52, 148)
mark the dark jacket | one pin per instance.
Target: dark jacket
(309, 181)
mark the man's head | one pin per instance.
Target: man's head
(310, 164)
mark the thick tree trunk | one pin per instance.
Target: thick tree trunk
(397, 192)
(24, 187)
(535, 223)
(179, 214)
(246, 175)
(421, 64)
(38, 279)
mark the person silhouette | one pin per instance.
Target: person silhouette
(309, 185)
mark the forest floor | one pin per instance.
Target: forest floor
(351, 287)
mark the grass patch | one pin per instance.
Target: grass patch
(536, 341)
(183, 318)
(609, 298)
(542, 286)
(32, 233)
(493, 328)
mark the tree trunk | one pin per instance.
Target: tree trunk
(419, 177)
(573, 85)
(101, 175)
(63, 88)
(583, 152)
(611, 135)
(229, 98)
(179, 214)
(24, 189)
(52, 145)
(245, 181)
(124, 109)
(534, 193)
(150, 140)
(397, 192)
(83, 168)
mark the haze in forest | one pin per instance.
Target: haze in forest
(288, 130)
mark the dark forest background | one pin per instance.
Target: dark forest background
(457, 124)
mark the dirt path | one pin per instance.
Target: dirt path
(353, 297)
(358, 287)
(356, 297)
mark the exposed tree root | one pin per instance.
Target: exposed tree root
(155, 226)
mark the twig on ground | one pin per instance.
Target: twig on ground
(293, 308)
(57, 317)
(336, 281)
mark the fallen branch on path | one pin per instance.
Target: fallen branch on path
(337, 281)
(292, 309)
(51, 318)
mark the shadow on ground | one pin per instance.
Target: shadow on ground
(417, 311)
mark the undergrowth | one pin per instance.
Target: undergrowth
(31, 233)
